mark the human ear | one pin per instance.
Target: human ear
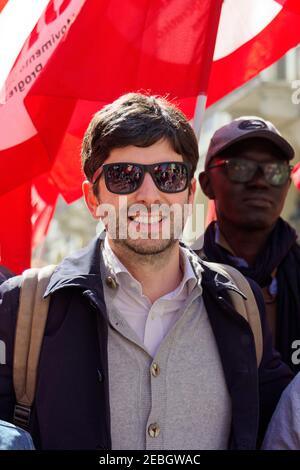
(206, 186)
(91, 200)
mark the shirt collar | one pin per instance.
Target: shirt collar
(112, 261)
(189, 276)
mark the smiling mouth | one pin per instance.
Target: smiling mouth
(146, 219)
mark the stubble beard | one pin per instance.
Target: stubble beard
(150, 250)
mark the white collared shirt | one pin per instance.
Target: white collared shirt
(150, 322)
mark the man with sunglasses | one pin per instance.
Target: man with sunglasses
(247, 174)
(143, 348)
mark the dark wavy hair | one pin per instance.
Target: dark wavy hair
(140, 120)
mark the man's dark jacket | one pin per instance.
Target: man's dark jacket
(72, 400)
(280, 255)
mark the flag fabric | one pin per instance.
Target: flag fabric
(2, 4)
(15, 228)
(296, 176)
(82, 54)
(28, 195)
(252, 35)
(21, 148)
(26, 213)
(44, 195)
(165, 47)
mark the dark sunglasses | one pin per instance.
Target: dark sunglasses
(240, 170)
(125, 178)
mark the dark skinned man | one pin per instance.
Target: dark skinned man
(247, 174)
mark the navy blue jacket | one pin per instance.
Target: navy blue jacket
(72, 400)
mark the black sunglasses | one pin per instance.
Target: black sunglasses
(240, 170)
(125, 178)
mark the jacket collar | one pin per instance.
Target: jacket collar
(211, 279)
(82, 270)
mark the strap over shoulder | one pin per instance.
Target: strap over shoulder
(247, 306)
(30, 328)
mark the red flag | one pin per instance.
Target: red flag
(252, 35)
(15, 228)
(22, 149)
(296, 176)
(27, 204)
(162, 46)
(111, 48)
(2, 4)
(84, 53)
(26, 213)
(43, 200)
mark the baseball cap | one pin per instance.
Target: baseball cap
(247, 127)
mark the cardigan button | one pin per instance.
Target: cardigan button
(154, 430)
(155, 369)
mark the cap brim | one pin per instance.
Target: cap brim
(278, 140)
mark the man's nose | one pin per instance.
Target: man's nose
(148, 192)
(258, 179)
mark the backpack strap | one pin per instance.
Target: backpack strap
(247, 307)
(30, 328)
